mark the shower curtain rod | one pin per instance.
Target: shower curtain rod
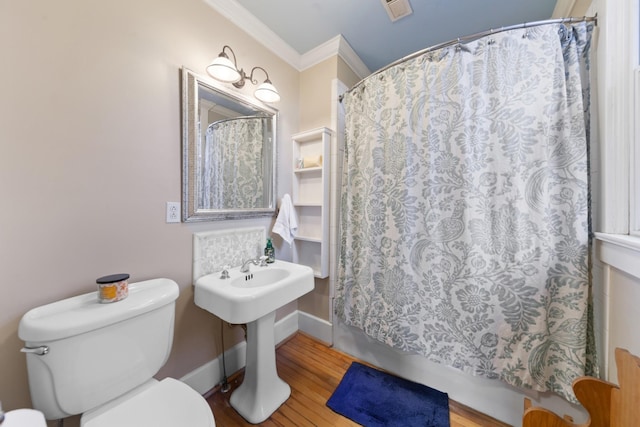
(473, 37)
(255, 116)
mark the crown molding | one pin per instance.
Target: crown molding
(352, 59)
(241, 17)
(247, 22)
(320, 53)
(336, 46)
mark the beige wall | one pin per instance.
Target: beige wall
(84, 186)
(315, 94)
(315, 91)
(346, 74)
(315, 111)
(566, 8)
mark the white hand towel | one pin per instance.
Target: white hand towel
(287, 222)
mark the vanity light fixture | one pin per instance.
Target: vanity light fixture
(222, 69)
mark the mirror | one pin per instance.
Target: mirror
(228, 152)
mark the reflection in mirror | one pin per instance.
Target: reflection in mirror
(233, 163)
(228, 153)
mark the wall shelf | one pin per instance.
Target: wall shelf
(309, 239)
(308, 170)
(311, 200)
(302, 205)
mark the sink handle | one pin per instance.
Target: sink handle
(263, 261)
(225, 272)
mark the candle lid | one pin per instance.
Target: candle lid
(112, 278)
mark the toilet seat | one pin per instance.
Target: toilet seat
(178, 405)
(24, 418)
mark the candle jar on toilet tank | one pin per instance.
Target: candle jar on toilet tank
(112, 288)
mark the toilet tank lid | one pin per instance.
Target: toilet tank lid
(83, 313)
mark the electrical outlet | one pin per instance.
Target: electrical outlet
(173, 212)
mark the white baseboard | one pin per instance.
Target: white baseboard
(286, 327)
(210, 374)
(316, 327)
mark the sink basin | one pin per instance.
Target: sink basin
(245, 297)
(263, 277)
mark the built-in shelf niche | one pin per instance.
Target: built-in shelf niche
(311, 200)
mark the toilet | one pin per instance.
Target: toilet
(23, 418)
(98, 360)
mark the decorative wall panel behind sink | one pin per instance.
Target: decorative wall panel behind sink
(212, 250)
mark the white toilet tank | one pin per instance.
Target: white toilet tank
(97, 352)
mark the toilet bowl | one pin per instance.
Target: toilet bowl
(98, 360)
(167, 403)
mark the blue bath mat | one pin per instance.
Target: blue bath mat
(373, 398)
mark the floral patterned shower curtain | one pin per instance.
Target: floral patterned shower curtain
(233, 164)
(465, 207)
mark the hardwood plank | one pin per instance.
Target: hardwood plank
(324, 368)
(314, 370)
(463, 416)
(311, 390)
(308, 398)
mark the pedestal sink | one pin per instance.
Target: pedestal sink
(253, 298)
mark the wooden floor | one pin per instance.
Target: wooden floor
(313, 371)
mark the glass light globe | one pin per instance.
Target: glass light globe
(266, 92)
(222, 69)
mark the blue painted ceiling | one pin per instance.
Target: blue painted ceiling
(306, 24)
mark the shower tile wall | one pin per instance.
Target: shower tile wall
(213, 250)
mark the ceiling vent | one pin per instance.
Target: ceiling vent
(397, 8)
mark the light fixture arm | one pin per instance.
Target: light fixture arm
(255, 82)
(240, 83)
(223, 70)
(224, 55)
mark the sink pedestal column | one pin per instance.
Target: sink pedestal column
(261, 391)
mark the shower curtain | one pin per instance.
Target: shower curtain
(465, 208)
(232, 164)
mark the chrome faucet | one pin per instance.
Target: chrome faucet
(261, 261)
